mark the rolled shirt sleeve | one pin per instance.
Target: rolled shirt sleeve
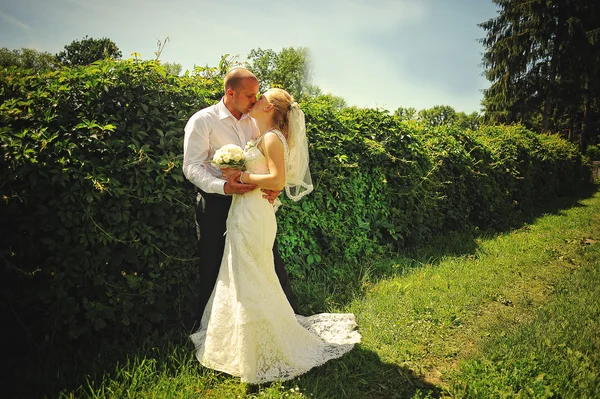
(196, 149)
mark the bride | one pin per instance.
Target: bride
(248, 328)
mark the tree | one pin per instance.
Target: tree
(442, 115)
(542, 59)
(335, 102)
(289, 69)
(212, 77)
(471, 121)
(406, 114)
(438, 115)
(172, 68)
(27, 58)
(87, 51)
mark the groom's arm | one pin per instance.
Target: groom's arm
(233, 183)
(196, 146)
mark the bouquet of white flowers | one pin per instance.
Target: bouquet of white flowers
(229, 156)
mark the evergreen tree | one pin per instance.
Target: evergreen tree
(542, 58)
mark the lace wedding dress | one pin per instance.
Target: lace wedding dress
(248, 328)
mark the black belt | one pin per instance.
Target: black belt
(215, 195)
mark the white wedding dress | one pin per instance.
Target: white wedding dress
(248, 328)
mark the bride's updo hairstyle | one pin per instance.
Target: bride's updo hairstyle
(289, 119)
(281, 101)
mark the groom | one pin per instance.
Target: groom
(226, 122)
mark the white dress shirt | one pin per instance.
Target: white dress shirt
(208, 130)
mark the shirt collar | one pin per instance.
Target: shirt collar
(224, 113)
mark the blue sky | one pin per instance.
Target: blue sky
(373, 53)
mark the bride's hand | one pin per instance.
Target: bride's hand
(270, 195)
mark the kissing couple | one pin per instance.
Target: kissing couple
(249, 326)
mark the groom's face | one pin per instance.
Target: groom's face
(244, 96)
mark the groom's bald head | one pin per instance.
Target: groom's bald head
(241, 88)
(234, 78)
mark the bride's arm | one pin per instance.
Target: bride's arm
(275, 179)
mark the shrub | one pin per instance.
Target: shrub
(97, 220)
(96, 214)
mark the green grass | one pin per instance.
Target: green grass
(515, 314)
(508, 319)
(557, 354)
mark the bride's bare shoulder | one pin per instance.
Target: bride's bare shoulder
(274, 137)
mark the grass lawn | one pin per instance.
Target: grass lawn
(515, 314)
(519, 316)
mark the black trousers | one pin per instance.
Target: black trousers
(211, 216)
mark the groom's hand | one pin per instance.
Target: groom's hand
(232, 186)
(270, 195)
(228, 173)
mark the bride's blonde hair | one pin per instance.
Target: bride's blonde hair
(281, 101)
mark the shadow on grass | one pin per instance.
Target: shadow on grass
(461, 243)
(44, 371)
(362, 374)
(358, 374)
(558, 205)
(323, 292)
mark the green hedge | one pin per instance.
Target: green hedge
(97, 220)
(96, 214)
